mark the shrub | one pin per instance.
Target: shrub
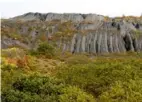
(130, 91)
(96, 77)
(37, 88)
(13, 52)
(38, 84)
(9, 73)
(18, 96)
(8, 64)
(74, 94)
(44, 49)
(33, 88)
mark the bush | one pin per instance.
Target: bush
(74, 94)
(130, 91)
(37, 88)
(38, 85)
(44, 49)
(33, 88)
(9, 73)
(13, 52)
(18, 96)
(96, 77)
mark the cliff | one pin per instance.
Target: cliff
(74, 32)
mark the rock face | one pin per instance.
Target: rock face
(30, 16)
(104, 42)
(8, 42)
(63, 17)
(90, 33)
(93, 17)
(92, 26)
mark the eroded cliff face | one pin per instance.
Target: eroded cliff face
(76, 33)
(103, 42)
(76, 18)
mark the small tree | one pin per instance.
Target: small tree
(46, 49)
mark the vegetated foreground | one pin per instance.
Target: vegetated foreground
(47, 75)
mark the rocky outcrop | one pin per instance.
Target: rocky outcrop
(103, 42)
(64, 17)
(92, 26)
(90, 33)
(30, 16)
(9, 42)
(93, 17)
(77, 18)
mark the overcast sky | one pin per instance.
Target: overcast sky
(11, 8)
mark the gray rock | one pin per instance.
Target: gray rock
(64, 17)
(93, 18)
(115, 43)
(140, 44)
(24, 30)
(61, 17)
(78, 43)
(30, 17)
(83, 41)
(104, 45)
(121, 44)
(95, 43)
(129, 43)
(8, 42)
(88, 42)
(34, 35)
(89, 26)
(64, 47)
(73, 43)
(99, 39)
(92, 49)
(109, 40)
(126, 27)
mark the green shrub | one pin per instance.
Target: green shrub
(32, 52)
(44, 49)
(74, 94)
(33, 88)
(130, 91)
(38, 84)
(18, 96)
(37, 88)
(9, 73)
(96, 77)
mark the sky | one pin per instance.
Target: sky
(112, 8)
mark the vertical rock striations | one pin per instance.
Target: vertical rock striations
(105, 41)
(90, 33)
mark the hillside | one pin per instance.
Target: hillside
(71, 58)
(75, 33)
